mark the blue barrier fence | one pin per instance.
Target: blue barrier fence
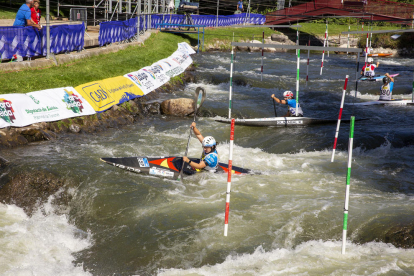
(209, 20)
(29, 42)
(115, 31)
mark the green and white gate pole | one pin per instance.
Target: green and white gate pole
(348, 178)
(231, 80)
(297, 82)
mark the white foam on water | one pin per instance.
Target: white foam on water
(42, 244)
(214, 58)
(391, 62)
(220, 69)
(312, 258)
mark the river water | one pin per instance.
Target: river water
(286, 221)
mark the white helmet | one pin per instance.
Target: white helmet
(370, 60)
(209, 141)
(288, 94)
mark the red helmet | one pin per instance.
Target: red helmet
(288, 94)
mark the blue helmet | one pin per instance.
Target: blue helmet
(209, 141)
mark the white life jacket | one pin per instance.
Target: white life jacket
(369, 70)
(386, 93)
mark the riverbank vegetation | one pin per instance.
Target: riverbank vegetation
(226, 35)
(336, 29)
(155, 48)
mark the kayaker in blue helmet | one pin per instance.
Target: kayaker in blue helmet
(291, 102)
(209, 156)
(386, 88)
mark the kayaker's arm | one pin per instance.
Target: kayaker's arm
(195, 165)
(391, 78)
(197, 132)
(277, 100)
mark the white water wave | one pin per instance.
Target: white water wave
(312, 258)
(42, 244)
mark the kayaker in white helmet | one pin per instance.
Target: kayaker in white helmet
(209, 156)
(368, 70)
(291, 102)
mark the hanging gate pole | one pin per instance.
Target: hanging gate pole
(339, 118)
(297, 82)
(231, 80)
(261, 76)
(307, 65)
(324, 44)
(226, 218)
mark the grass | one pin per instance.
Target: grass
(7, 14)
(157, 47)
(225, 35)
(319, 28)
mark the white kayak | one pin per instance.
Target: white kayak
(392, 102)
(281, 121)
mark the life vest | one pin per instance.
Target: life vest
(386, 92)
(369, 70)
(292, 108)
(211, 160)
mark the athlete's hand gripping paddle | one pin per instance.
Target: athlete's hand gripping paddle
(199, 99)
(274, 106)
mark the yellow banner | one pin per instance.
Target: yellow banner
(103, 94)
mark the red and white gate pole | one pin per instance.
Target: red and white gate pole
(366, 51)
(226, 218)
(339, 118)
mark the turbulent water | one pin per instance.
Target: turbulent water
(286, 221)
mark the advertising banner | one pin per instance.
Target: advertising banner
(103, 94)
(143, 80)
(184, 47)
(182, 58)
(12, 110)
(158, 73)
(42, 106)
(172, 68)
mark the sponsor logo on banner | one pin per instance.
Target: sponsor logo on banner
(135, 80)
(164, 173)
(143, 162)
(6, 111)
(150, 73)
(141, 79)
(72, 101)
(159, 73)
(36, 101)
(169, 64)
(98, 95)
